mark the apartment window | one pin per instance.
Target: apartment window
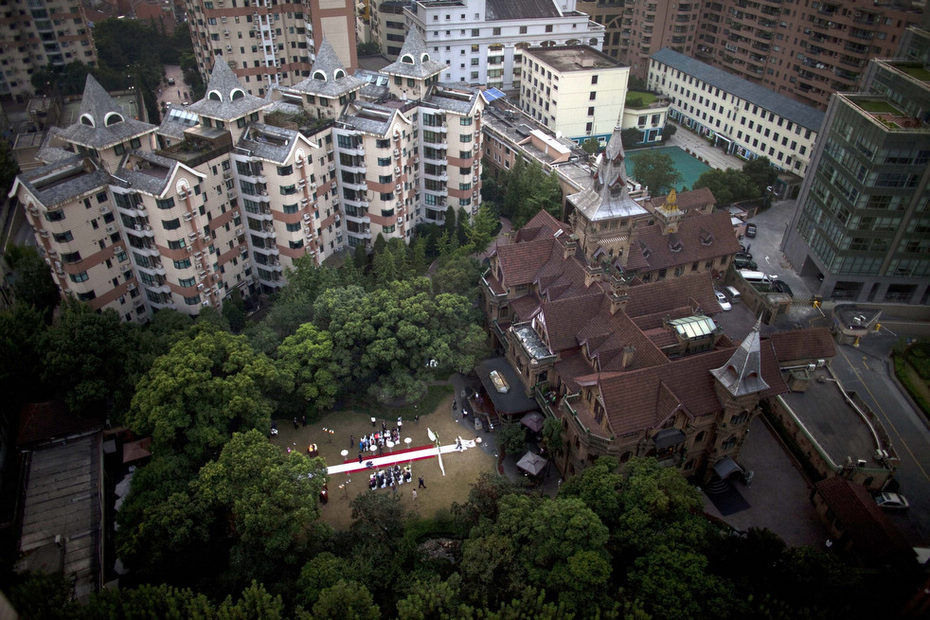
(591, 113)
(287, 190)
(522, 29)
(183, 263)
(296, 244)
(78, 277)
(284, 171)
(465, 137)
(292, 226)
(383, 144)
(496, 31)
(475, 32)
(63, 237)
(592, 95)
(192, 301)
(594, 79)
(549, 28)
(71, 257)
(166, 203)
(86, 296)
(291, 209)
(171, 224)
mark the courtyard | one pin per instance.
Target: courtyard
(332, 434)
(688, 166)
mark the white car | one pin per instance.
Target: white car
(722, 300)
(892, 501)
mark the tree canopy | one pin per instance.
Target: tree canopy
(526, 189)
(729, 186)
(655, 170)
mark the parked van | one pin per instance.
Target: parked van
(755, 276)
(733, 293)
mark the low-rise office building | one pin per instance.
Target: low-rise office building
(576, 91)
(745, 119)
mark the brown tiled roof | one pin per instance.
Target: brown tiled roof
(524, 307)
(632, 398)
(811, 344)
(520, 262)
(541, 226)
(665, 295)
(570, 366)
(656, 320)
(691, 230)
(41, 422)
(860, 517)
(696, 198)
(567, 317)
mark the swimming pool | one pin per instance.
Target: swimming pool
(690, 167)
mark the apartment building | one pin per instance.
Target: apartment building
(388, 26)
(36, 34)
(749, 120)
(269, 43)
(482, 41)
(806, 50)
(575, 90)
(863, 215)
(228, 192)
(636, 29)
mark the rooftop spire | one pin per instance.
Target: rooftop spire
(97, 104)
(742, 374)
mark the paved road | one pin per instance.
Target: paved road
(865, 370)
(177, 93)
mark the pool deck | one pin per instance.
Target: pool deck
(715, 157)
(690, 167)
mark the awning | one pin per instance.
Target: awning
(726, 467)
(532, 421)
(512, 402)
(532, 463)
(668, 437)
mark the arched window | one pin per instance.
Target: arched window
(214, 95)
(87, 119)
(424, 57)
(319, 75)
(236, 94)
(339, 73)
(407, 59)
(112, 118)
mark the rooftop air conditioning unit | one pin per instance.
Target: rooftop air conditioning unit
(306, 217)
(400, 220)
(396, 152)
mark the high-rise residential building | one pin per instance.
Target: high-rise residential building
(806, 50)
(575, 90)
(387, 25)
(636, 29)
(39, 33)
(863, 214)
(482, 41)
(228, 192)
(269, 43)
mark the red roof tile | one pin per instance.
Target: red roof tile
(860, 517)
(520, 262)
(541, 226)
(663, 296)
(692, 229)
(694, 199)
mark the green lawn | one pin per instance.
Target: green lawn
(644, 98)
(877, 106)
(915, 71)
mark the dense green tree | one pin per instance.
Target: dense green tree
(591, 146)
(655, 170)
(269, 501)
(386, 338)
(763, 175)
(530, 190)
(480, 230)
(598, 486)
(552, 436)
(631, 138)
(346, 600)
(434, 598)
(457, 274)
(94, 359)
(511, 437)
(207, 386)
(255, 602)
(728, 186)
(377, 518)
(55, 81)
(40, 595)
(22, 352)
(150, 601)
(323, 571)
(30, 280)
(481, 507)
(306, 362)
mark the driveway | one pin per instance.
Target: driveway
(176, 93)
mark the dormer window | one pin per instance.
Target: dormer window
(214, 96)
(87, 119)
(112, 118)
(424, 57)
(407, 59)
(675, 245)
(319, 75)
(236, 94)
(339, 73)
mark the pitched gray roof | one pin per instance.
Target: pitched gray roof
(63, 180)
(521, 9)
(607, 197)
(422, 66)
(327, 77)
(742, 374)
(369, 117)
(219, 103)
(98, 109)
(803, 115)
(452, 97)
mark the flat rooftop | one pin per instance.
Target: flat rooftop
(885, 113)
(832, 422)
(567, 58)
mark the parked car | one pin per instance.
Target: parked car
(892, 501)
(722, 300)
(750, 230)
(744, 253)
(741, 262)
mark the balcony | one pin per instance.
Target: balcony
(577, 416)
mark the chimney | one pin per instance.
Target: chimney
(569, 245)
(627, 360)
